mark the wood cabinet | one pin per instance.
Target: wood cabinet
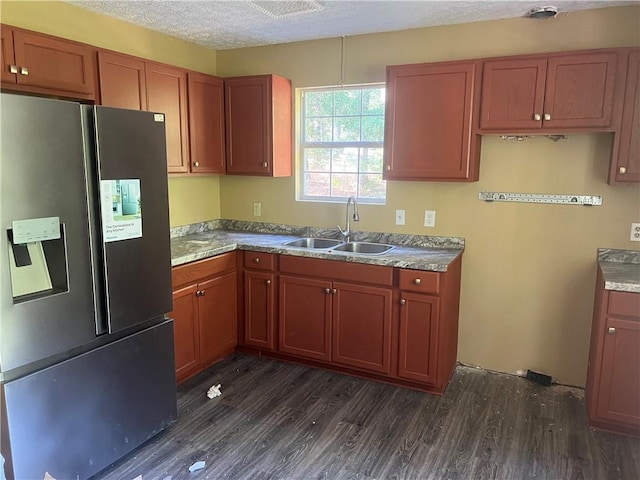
(259, 300)
(625, 165)
(613, 375)
(428, 122)
(258, 123)
(206, 123)
(329, 311)
(204, 313)
(552, 92)
(123, 82)
(42, 64)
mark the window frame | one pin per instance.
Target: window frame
(302, 145)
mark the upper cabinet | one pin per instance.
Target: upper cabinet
(47, 65)
(206, 123)
(428, 122)
(625, 165)
(258, 125)
(554, 92)
(122, 81)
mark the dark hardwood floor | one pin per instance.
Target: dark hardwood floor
(276, 420)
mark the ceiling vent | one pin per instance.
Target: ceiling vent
(543, 12)
(288, 8)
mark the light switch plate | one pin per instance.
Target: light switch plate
(635, 232)
(400, 217)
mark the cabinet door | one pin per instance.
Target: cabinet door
(167, 93)
(362, 327)
(619, 394)
(217, 309)
(54, 64)
(248, 125)
(418, 349)
(627, 165)
(206, 123)
(122, 81)
(513, 93)
(259, 306)
(579, 90)
(186, 331)
(8, 59)
(305, 317)
(428, 122)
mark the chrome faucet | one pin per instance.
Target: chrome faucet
(346, 233)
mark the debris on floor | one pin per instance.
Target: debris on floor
(214, 391)
(198, 465)
(47, 476)
(139, 477)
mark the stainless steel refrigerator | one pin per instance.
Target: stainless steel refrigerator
(86, 350)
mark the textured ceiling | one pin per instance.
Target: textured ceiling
(228, 24)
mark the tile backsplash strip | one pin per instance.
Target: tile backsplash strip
(423, 241)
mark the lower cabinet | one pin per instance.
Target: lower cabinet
(204, 313)
(418, 343)
(259, 300)
(613, 377)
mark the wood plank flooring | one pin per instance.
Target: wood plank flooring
(276, 420)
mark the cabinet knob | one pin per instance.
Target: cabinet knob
(388, 168)
(196, 164)
(547, 116)
(611, 331)
(268, 282)
(327, 290)
(417, 281)
(622, 170)
(403, 301)
(13, 68)
(334, 291)
(265, 164)
(537, 117)
(203, 293)
(256, 260)
(24, 71)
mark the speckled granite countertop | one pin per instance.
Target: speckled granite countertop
(213, 238)
(620, 269)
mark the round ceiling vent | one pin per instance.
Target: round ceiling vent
(543, 12)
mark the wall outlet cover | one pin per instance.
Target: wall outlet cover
(429, 218)
(257, 209)
(400, 219)
(635, 232)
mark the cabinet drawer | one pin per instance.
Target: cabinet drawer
(419, 281)
(195, 271)
(259, 260)
(624, 303)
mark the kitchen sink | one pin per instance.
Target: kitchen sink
(363, 247)
(313, 243)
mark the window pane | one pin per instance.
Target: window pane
(318, 104)
(317, 159)
(347, 102)
(373, 101)
(346, 129)
(318, 130)
(317, 184)
(371, 160)
(373, 129)
(344, 184)
(372, 186)
(345, 160)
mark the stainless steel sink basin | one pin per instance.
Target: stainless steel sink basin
(364, 247)
(313, 243)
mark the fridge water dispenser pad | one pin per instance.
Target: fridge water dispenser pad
(121, 209)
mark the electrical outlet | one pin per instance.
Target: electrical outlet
(635, 232)
(257, 209)
(400, 217)
(429, 218)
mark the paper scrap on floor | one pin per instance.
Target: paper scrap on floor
(214, 391)
(197, 466)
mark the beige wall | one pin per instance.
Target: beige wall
(190, 199)
(528, 270)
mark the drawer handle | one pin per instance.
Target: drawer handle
(622, 170)
(403, 301)
(13, 69)
(547, 116)
(256, 260)
(417, 281)
(268, 282)
(24, 70)
(537, 117)
(611, 331)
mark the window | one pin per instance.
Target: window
(342, 137)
